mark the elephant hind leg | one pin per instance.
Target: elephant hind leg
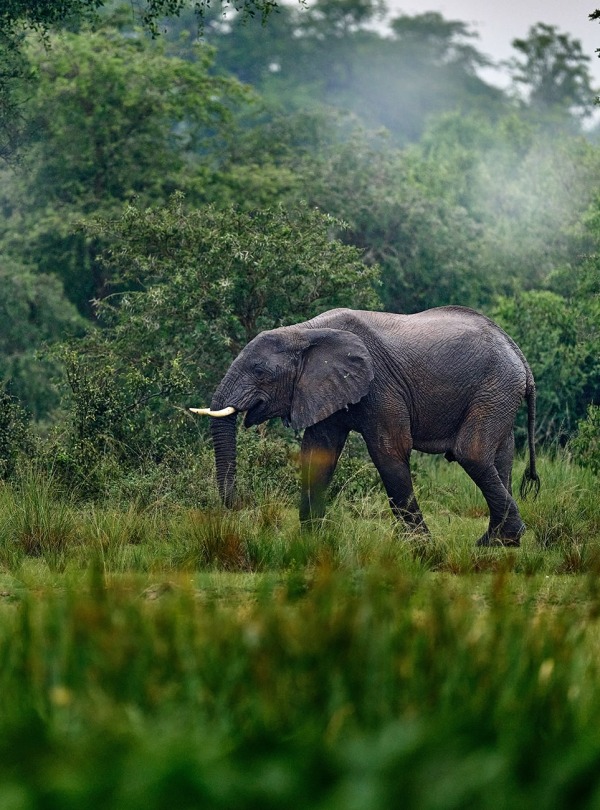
(506, 525)
(503, 460)
(485, 449)
(392, 464)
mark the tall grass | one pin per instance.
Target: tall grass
(36, 520)
(40, 520)
(155, 654)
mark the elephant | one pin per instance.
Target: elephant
(447, 380)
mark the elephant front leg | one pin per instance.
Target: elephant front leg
(322, 445)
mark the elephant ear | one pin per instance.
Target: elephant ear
(336, 371)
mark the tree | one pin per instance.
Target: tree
(525, 188)
(115, 115)
(427, 246)
(395, 206)
(553, 334)
(15, 437)
(339, 18)
(554, 72)
(430, 39)
(332, 54)
(34, 313)
(46, 14)
(18, 17)
(585, 445)
(559, 331)
(254, 53)
(15, 78)
(190, 288)
(112, 117)
(209, 280)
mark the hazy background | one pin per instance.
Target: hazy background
(499, 23)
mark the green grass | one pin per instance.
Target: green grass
(39, 520)
(167, 656)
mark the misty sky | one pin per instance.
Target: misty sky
(498, 22)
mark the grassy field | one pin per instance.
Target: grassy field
(158, 655)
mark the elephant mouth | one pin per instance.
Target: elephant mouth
(257, 413)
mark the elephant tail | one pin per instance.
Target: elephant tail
(531, 479)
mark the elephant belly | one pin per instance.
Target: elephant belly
(435, 441)
(478, 423)
(434, 426)
(437, 428)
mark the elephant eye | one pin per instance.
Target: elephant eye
(259, 370)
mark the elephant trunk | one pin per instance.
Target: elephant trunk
(223, 430)
(224, 440)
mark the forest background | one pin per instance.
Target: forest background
(166, 193)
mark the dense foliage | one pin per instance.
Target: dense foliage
(42, 15)
(188, 291)
(174, 196)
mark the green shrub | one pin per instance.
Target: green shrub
(558, 336)
(15, 436)
(268, 459)
(585, 445)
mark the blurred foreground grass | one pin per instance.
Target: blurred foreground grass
(164, 657)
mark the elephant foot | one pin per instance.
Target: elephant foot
(314, 524)
(502, 539)
(498, 542)
(413, 533)
(411, 523)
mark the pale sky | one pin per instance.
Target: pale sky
(501, 21)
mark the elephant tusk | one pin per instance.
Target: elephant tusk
(217, 414)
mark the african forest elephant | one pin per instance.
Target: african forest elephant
(447, 380)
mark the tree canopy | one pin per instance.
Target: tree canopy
(332, 53)
(174, 195)
(554, 72)
(113, 117)
(45, 14)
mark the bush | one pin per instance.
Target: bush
(34, 312)
(559, 338)
(121, 410)
(585, 445)
(15, 436)
(267, 463)
(190, 288)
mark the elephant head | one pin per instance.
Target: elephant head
(300, 374)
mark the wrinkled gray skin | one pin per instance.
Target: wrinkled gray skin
(447, 380)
